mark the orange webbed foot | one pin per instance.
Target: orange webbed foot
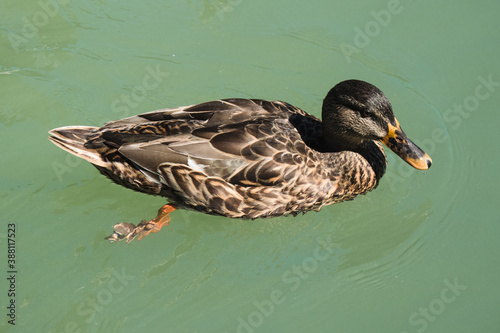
(130, 231)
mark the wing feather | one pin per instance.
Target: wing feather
(242, 141)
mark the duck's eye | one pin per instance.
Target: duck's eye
(359, 109)
(364, 114)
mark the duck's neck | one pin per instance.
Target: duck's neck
(370, 150)
(339, 142)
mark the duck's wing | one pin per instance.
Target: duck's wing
(220, 112)
(247, 142)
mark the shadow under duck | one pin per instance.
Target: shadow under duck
(247, 158)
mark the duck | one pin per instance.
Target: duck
(247, 158)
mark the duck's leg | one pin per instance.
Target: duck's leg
(129, 231)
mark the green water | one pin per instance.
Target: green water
(418, 254)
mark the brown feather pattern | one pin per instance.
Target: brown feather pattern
(243, 158)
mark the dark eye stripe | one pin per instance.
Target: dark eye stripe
(356, 106)
(364, 114)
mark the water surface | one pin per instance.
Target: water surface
(418, 254)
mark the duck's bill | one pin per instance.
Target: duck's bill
(399, 143)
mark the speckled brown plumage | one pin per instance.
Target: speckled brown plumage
(248, 158)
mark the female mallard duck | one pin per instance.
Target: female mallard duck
(247, 158)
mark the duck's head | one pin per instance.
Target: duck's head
(355, 111)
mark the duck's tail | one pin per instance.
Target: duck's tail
(73, 139)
